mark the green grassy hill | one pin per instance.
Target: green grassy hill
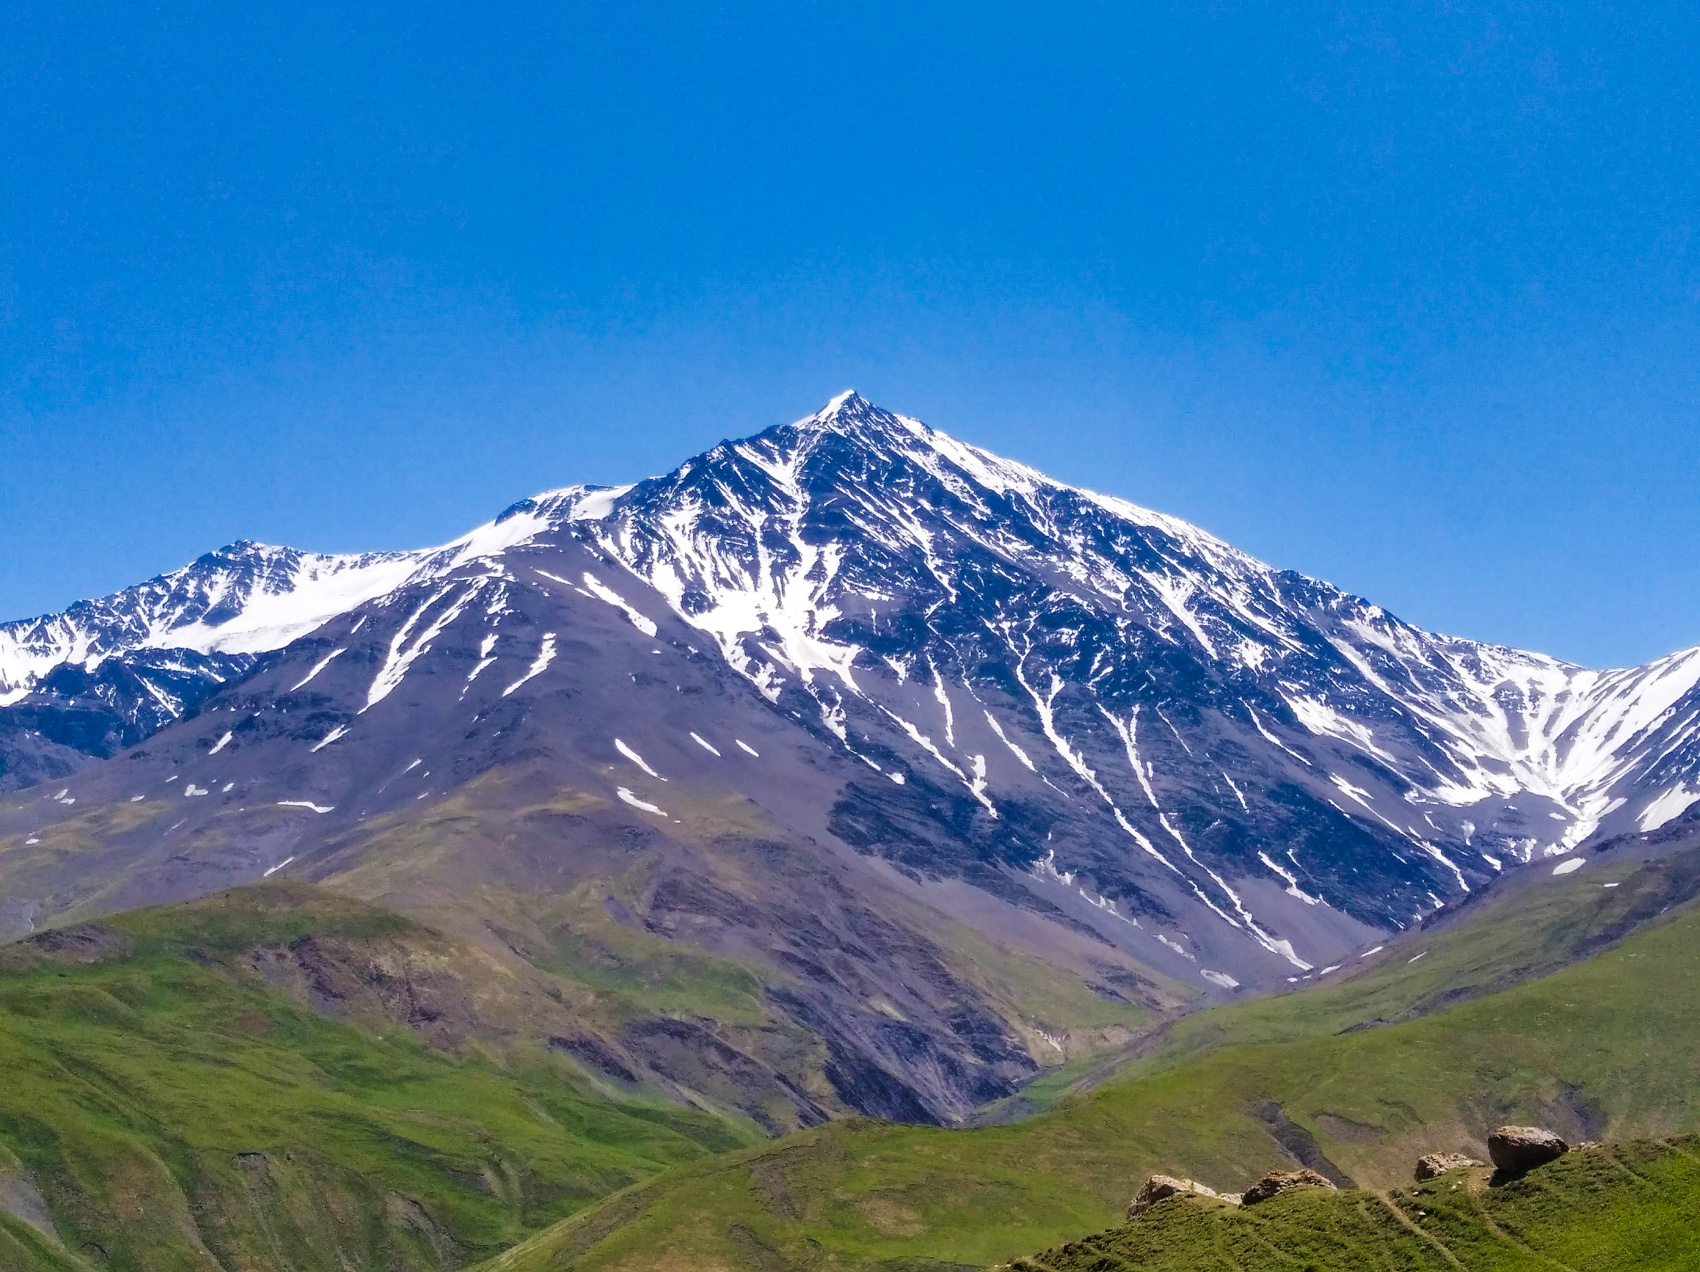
(282, 1078)
(1604, 1048)
(1628, 1206)
(174, 1099)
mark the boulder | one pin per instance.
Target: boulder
(1159, 1187)
(1279, 1181)
(1439, 1163)
(1520, 1148)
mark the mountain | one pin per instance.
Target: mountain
(107, 673)
(955, 770)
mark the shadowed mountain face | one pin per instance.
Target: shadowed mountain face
(962, 769)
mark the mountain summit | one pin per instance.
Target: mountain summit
(828, 698)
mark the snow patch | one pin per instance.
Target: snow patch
(317, 668)
(340, 731)
(545, 656)
(1176, 947)
(625, 794)
(636, 759)
(1292, 889)
(1004, 738)
(1666, 807)
(604, 592)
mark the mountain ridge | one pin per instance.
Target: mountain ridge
(850, 659)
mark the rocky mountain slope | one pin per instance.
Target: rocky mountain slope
(976, 771)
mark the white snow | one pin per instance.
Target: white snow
(1292, 889)
(340, 731)
(626, 794)
(747, 748)
(222, 742)
(545, 656)
(1177, 948)
(1236, 790)
(1270, 737)
(975, 787)
(636, 759)
(1046, 868)
(304, 803)
(273, 595)
(603, 592)
(280, 865)
(404, 650)
(317, 668)
(1004, 738)
(1666, 807)
(1219, 978)
(1324, 721)
(485, 658)
(1569, 867)
(594, 504)
(705, 745)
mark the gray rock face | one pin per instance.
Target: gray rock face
(1520, 1148)
(1435, 1164)
(1161, 1187)
(1280, 1181)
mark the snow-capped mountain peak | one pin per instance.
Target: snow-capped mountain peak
(805, 551)
(951, 617)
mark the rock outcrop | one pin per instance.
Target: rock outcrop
(1439, 1163)
(1279, 1181)
(1515, 1149)
(1160, 1187)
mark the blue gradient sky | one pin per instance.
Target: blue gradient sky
(1403, 296)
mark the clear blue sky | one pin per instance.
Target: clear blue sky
(1402, 295)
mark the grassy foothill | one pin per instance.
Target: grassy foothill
(164, 1108)
(1624, 1206)
(1605, 1048)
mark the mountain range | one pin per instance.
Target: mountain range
(847, 767)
